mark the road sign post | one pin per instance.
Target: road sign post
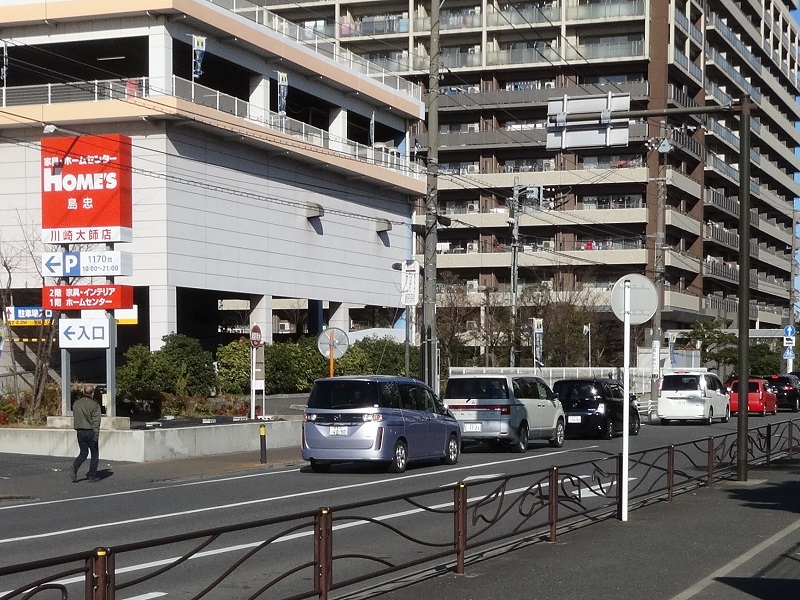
(255, 342)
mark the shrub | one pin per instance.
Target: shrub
(233, 367)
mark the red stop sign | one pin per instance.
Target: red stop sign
(255, 336)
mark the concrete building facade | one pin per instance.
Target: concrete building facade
(244, 190)
(599, 215)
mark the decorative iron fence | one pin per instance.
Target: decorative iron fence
(294, 556)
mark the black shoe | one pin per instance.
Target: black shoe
(92, 478)
(73, 473)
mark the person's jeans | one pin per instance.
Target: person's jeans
(87, 444)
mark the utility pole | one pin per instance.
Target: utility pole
(513, 219)
(663, 146)
(429, 337)
(743, 108)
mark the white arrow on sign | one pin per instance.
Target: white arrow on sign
(83, 333)
(87, 264)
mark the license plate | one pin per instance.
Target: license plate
(472, 426)
(573, 419)
(338, 430)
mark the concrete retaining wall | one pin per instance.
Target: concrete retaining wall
(143, 445)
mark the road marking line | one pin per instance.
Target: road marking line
(196, 511)
(736, 562)
(147, 596)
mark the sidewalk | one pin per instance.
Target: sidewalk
(735, 541)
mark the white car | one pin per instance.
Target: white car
(692, 396)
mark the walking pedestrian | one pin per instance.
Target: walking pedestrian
(86, 418)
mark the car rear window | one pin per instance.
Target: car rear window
(752, 386)
(479, 388)
(344, 394)
(681, 383)
(575, 390)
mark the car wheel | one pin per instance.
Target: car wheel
(727, 416)
(635, 425)
(521, 445)
(399, 458)
(451, 451)
(319, 467)
(665, 421)
(608, 432)
(558, 437)
(710, 418)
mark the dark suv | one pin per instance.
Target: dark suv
(786, 389)
(594, 407)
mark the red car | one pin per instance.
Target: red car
(759, 397)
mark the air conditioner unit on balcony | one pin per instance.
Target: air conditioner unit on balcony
(472, 286)
(473, 169)
(548, 245)
(472, 247)
(549, 164)
(284, 327)
(472, 208)
(473, 127)
(549, 85)
(473, 89)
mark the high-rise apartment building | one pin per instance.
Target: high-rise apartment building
(665, 205)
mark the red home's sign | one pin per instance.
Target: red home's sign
(87, 297)
(86, 189)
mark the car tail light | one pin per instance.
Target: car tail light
(309, 417)
(503, 409)
(372, 417)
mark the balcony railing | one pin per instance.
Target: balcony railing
(317, 43)
(735, 42)
(523, 16)
(523, 55)
(721, 201)
(126, 89)
(713, 55)
(606, 10)
(613, 50)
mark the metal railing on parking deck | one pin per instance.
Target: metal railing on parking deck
(313, 553)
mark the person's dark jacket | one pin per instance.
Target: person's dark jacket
(86, 415)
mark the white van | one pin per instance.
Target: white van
(692, 395)
(505, 409)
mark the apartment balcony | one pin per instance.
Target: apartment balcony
(676, 259)
(525, 15)
(634, 49)
(714, 92)
(682, 221)
(722, 236)
(691, 69)
(377, 25)
(714, 57)
(688, 144)
(723, 168)
(487, 139)
(454, 60)
(725, 271)
(322, 44)
(605, 10)
(714, 22)
(522, 56)
(727, 205)
(464, 19)
(680, 98)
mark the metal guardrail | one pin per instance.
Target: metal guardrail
(449, 525)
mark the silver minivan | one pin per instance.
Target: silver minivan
(377, 418)
(505, 409)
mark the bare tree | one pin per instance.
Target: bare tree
(10, 256)
(453, 312)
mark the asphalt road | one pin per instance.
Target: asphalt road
(43, 514)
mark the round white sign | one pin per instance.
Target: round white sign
(333, 340)
(644, 298)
